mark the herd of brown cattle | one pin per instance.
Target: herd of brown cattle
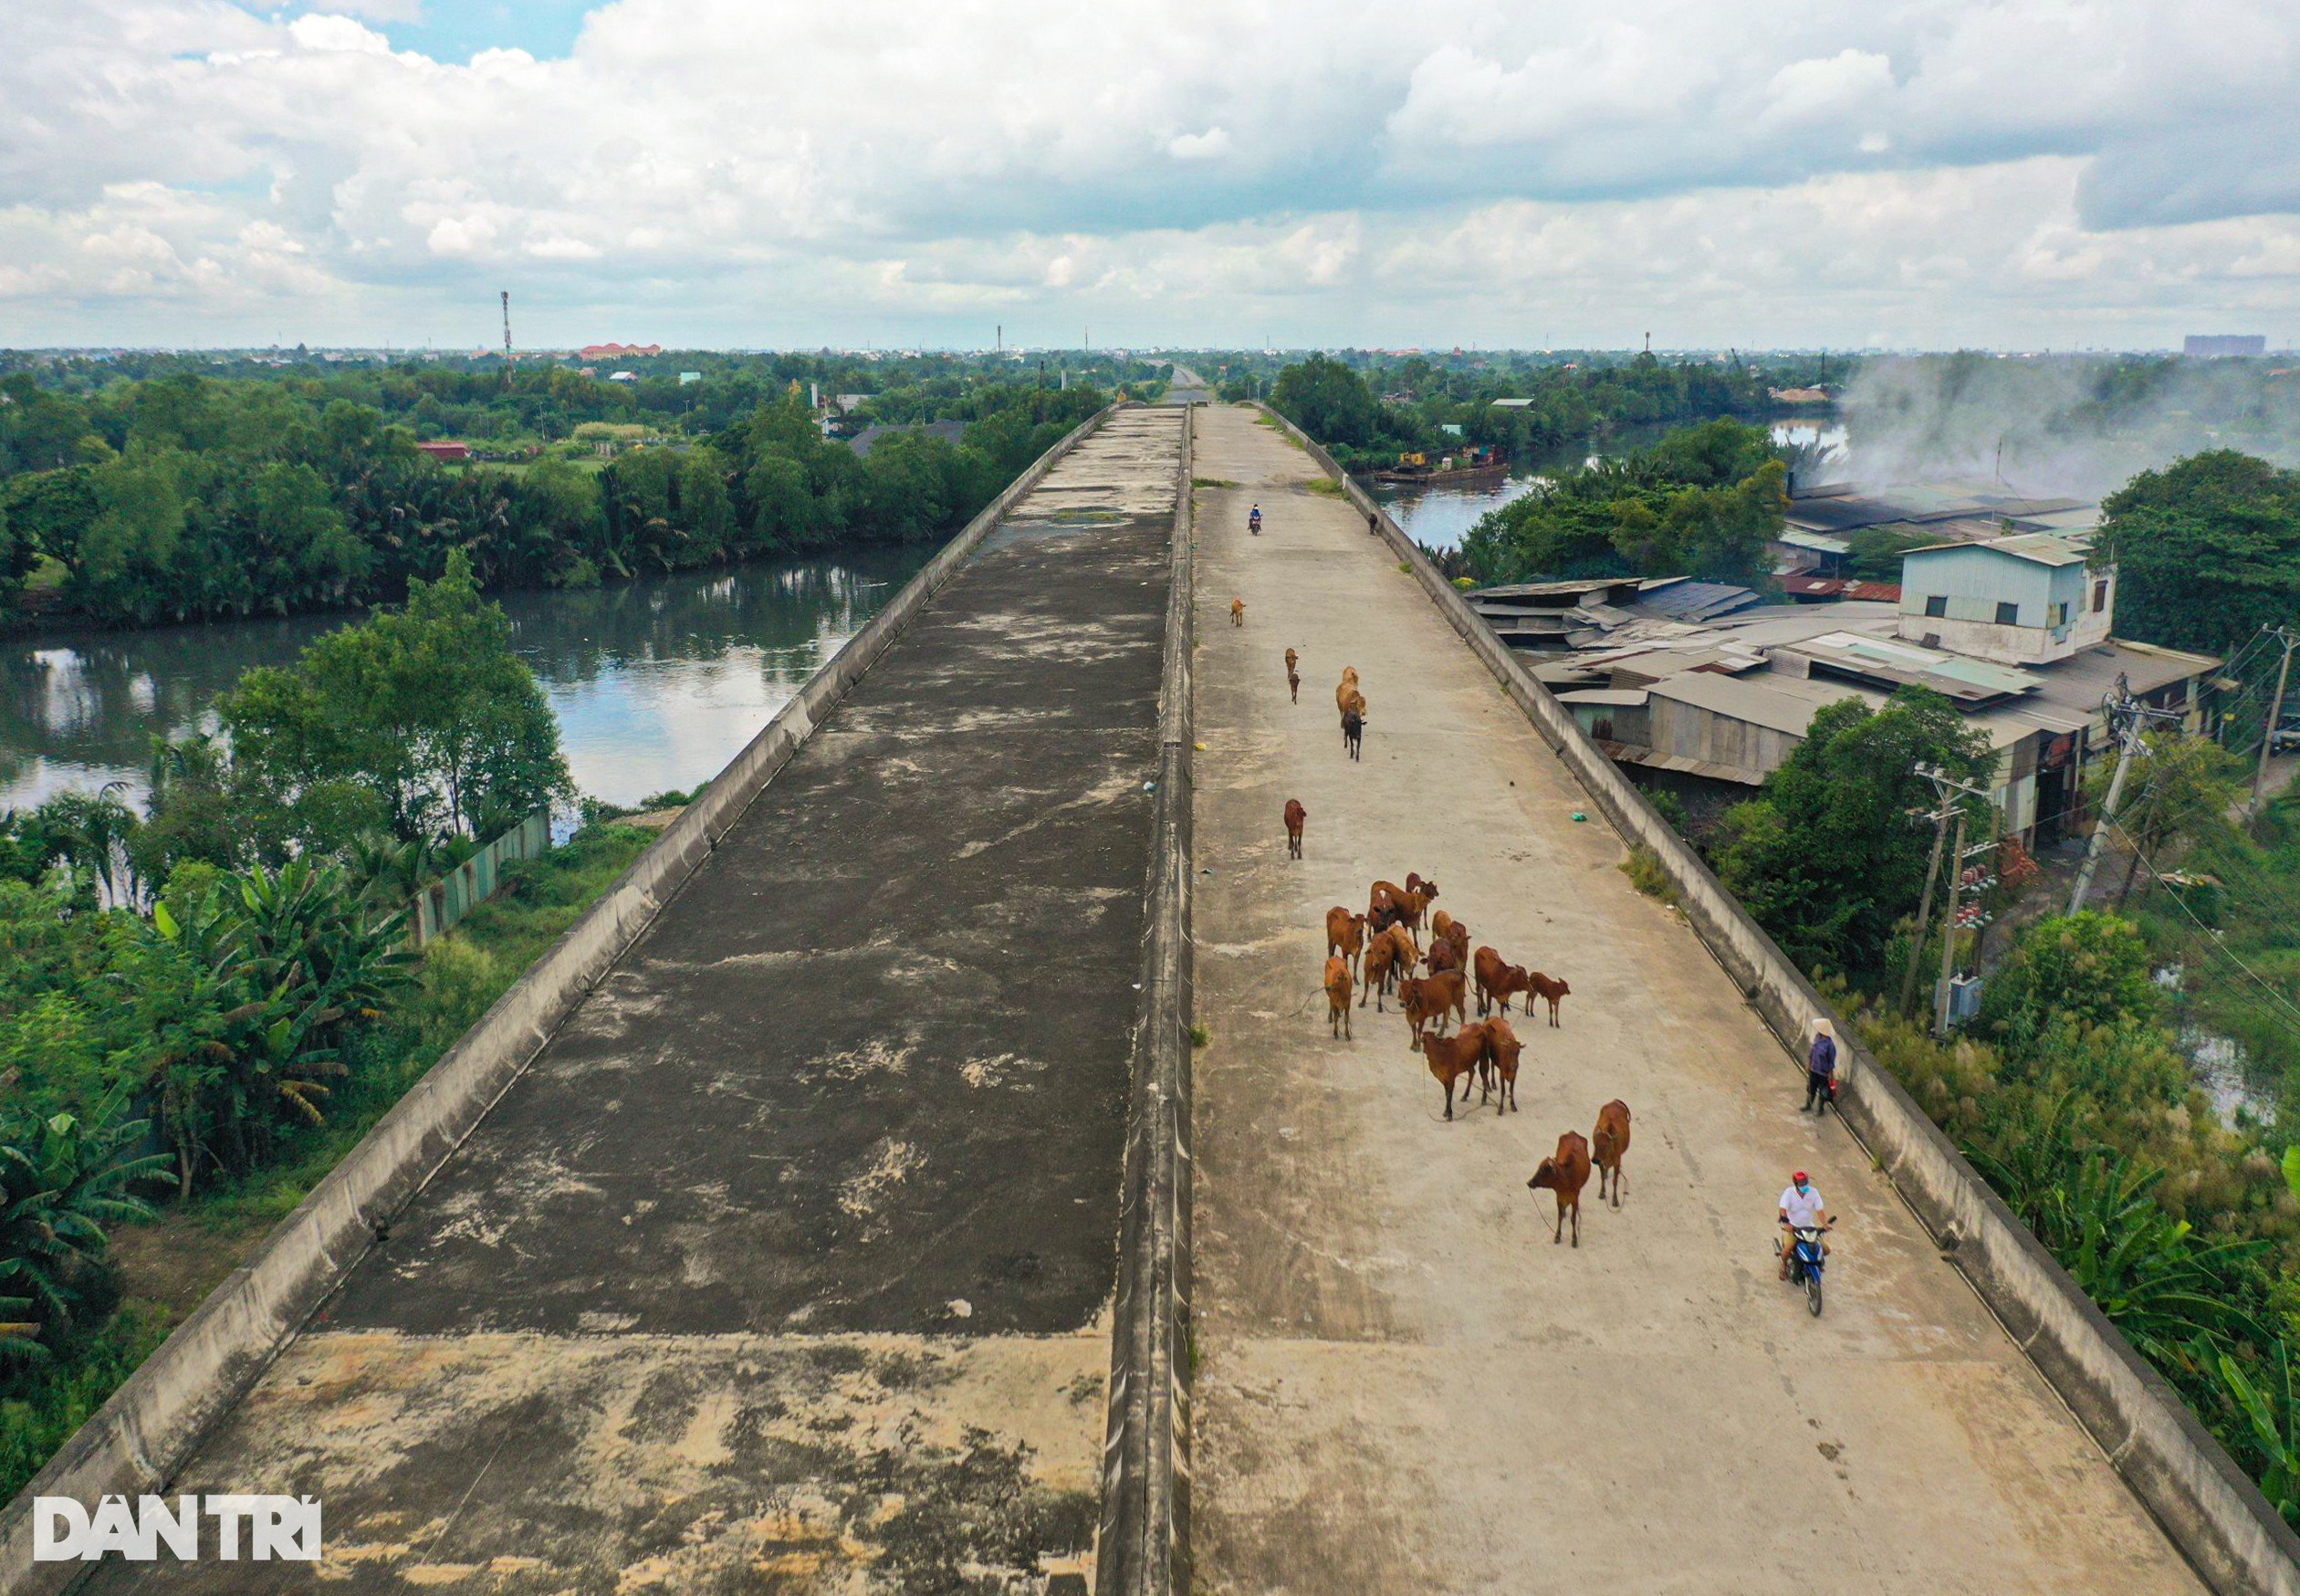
(1376, 953)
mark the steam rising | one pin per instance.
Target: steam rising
(2075, 425)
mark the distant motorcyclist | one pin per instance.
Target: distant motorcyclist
(1801, 1209)
(1253, 520)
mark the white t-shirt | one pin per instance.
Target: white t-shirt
(1803, 1208)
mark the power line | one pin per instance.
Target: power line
(2216, 944)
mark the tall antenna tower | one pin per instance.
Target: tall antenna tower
(507, 330)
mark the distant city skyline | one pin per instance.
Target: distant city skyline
(713, 173)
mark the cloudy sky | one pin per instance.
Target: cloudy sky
(2026, 173)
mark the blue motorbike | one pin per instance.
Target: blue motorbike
(1806, 1259)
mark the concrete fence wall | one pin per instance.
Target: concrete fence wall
(144, 1435)
(1143, 1547)
(441, 905)
(2206, 1504)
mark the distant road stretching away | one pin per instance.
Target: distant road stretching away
(1405, 1386)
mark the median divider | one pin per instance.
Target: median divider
(138, 1441)
(2204, 1502)
(1143, 1546)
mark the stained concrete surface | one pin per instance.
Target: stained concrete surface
(1403, 1384)
(787, 1265)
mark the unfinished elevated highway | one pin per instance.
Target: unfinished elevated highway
(842, 1208)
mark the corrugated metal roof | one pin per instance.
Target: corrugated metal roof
(1691, 601)
(2041, 548)
(1779, 703)
(1819, 542)
(1616, 697)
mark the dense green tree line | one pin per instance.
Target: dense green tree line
(1704, 501)
(188, 497)
(2207, 551)
(1341, 404)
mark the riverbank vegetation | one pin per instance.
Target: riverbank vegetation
(178, 495)
(1367, 408)
(203, 1009)
(2072, 1092)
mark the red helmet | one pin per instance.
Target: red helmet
(1797, 1179)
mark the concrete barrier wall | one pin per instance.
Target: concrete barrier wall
(2214, 1514)
(144, 1435)
(1143, 1547)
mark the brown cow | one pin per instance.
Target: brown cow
(1388, 956)
(1442, 956)
(1237, 612)
(1337, 991)
(1418, 883)
(1412, 902)
(1501, 1059)
(1611, 1141)
(1444, 927)
(1294, 687)
(1292, 658)
(1295, 815)
(1431, 996)
(1496, 980)
(1538, 984)
(1347, 689)
(1346, 934)
(1353, 734)
(1452, 1057)
(1565, 1172)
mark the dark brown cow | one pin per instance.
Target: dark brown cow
(1610, 1142)
(1416, 883)
(1565, 1172)
(1294, 687)
(1442, 956)
(1346, 934)
(1496, 980)
(1295, 816)
(1537, 983)
(1337, 991)
(1431, 998)
(1501, 1058)
(1353, 734)
(1412, 901)
(1452, 1057)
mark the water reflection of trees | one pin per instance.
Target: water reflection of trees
(571, 638)
(95, 698)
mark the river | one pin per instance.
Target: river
(656, 684)
(1439, 518)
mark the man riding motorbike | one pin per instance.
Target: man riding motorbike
(1801, 1209)
(1253, 520)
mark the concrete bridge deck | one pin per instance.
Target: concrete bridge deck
(787, 1265)
(1404, 1386)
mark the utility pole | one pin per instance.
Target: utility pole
(2126, 716)
(2276, 711)
(1950, 790)
(507, 330)
(1949, 929)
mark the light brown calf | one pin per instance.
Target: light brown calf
(1387, 958)
(1237, 612)
(1346, 934)
(1565, 1172)
(1610, 1142)
(1337, 991)
(1539, 984)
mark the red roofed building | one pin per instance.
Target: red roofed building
(446, 451)
(618, 351)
